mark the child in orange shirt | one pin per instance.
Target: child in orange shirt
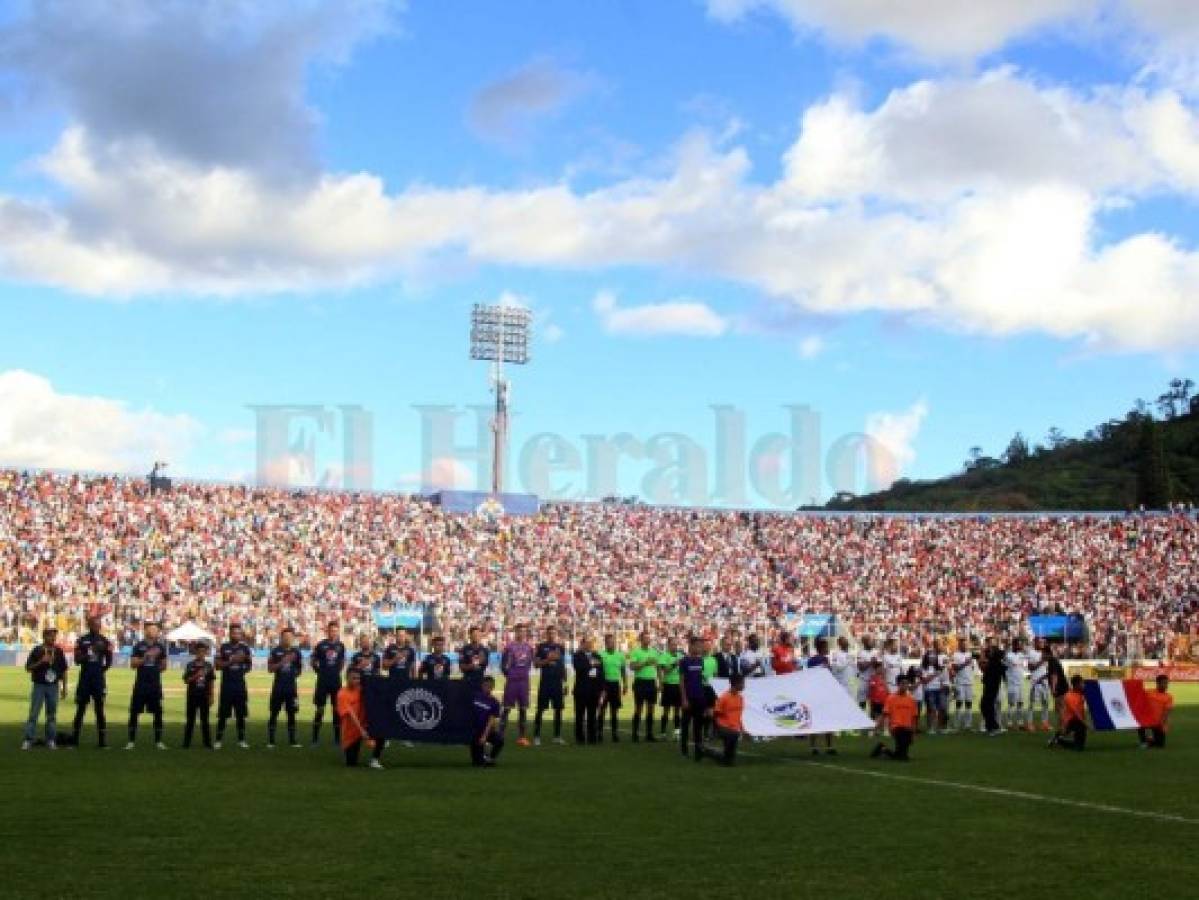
(727, 716)
(1074, 719)
(1153, 735)
(900, 714)
(351, 712)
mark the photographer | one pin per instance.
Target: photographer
(47, 668)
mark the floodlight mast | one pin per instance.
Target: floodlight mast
(499, 334)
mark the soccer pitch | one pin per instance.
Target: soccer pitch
(970, 815)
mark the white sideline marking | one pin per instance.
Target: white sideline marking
(999, 792)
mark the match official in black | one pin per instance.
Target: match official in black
(588, 692)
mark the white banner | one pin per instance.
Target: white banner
(806, 702)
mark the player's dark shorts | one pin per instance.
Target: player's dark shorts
(516, 693)
(326, 692)
(935, 699)
(233, 701)
(671, 697)
(612, 694)
(549, 695)
(284, 700)
(645, 690)
(876, 709)
(146, 701)
(709, 696)
(89, 692)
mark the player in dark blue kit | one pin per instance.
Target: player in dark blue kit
(693, 697)
(327, 660)
(399, 659)
(436, 666)
(549, 658)
(199, 676)
(488, 740)
(149, 660)
(365, 659)
(233, 661)
(472, 660)
(93, 655)
(286, 664)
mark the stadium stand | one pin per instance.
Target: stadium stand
(72, 544)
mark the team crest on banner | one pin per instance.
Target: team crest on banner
(429, 712)
(419, 709)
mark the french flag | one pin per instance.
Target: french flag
(1117, 704)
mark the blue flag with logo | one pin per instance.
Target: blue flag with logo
(429, 712)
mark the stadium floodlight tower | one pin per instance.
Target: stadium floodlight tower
(499, 334)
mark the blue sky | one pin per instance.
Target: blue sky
(933, 228)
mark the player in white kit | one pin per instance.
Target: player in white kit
(892, 665)
(1038, 690)
(1016, 672)
(962, 667)
(841, 663)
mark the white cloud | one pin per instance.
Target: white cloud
(896, 432)
(810, 346)
(687, 318)
(43, 428)
(938, 28)
(919, 206)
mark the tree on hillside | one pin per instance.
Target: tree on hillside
(1176, 401)
(1153, 479)
(1056, 439)
(1017, 449)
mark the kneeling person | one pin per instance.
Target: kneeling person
(1073, 733)
(1160, 703)
(900, 715)
(351, 712)
(727, 716)
(488, 741)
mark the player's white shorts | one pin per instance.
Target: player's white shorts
(1014, 697)
(965, 692)
(1039, 694)
(862, 691)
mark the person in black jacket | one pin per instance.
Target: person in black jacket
(993, 667)
(588, 692)
(728, 663)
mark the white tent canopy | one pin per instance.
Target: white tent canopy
(189, 632)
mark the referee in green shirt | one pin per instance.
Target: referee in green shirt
(615, 685)
(711, 664)
(668, 666)
(643, 660)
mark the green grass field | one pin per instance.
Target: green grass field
(625, 820)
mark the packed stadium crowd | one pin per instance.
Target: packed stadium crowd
(265, 559)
